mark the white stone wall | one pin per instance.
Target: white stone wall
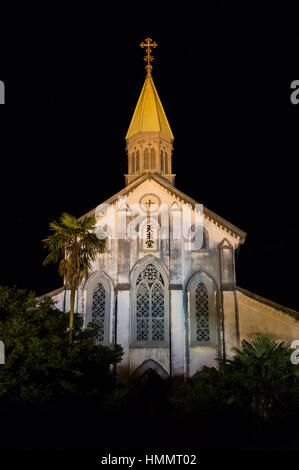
(139, 355)
(180, 263)
(59, 300)
(230, 323)
(202, 356)
(178, 334)
(123, 334)
(256, 318)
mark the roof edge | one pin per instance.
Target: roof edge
(51, 294)
(168, 186)
(270, 303)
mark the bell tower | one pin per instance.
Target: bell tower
(149, 140)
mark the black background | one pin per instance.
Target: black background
(73, 76)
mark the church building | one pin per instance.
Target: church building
(165, 289)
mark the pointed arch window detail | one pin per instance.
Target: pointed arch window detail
(133, 162)
(153, 159)
(150, 306)
(98, 309)
(202, 312)
(166, 163)
(162, 161)
(137, 161)
(146, 159)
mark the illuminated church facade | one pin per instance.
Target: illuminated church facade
(165, 289)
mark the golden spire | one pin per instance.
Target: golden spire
(149, 115)
(148, 58)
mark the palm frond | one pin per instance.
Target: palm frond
(74, 246)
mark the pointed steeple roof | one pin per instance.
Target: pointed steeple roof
(149, 115)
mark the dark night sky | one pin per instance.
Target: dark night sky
(72, 80)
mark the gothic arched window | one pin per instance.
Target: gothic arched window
(98, 309)
(162, 161)
(137, 161)
(146, 159)
(153, 159)
(202, 298)
(202, 312)
(133, 162)
(98, 306)
(166, 163)
(150, 322)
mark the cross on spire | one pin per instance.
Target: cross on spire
(148, 57)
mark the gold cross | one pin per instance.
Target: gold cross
(149, 203)
(148, 58)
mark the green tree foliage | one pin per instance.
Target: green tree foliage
(262, 373)
(259, 380)
(40, 366)
(73, 245)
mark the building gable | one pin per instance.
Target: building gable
(173, 196)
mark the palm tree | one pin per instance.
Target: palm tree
(263, 370)
(74, 246)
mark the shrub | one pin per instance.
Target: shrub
(40, 364)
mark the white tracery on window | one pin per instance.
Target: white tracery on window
(150, 305)
(98, 309)
(202, 313)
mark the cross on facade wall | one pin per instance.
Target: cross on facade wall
(149, 203)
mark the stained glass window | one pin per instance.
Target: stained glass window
(202, 312)
(98, 309)
(150, 305)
